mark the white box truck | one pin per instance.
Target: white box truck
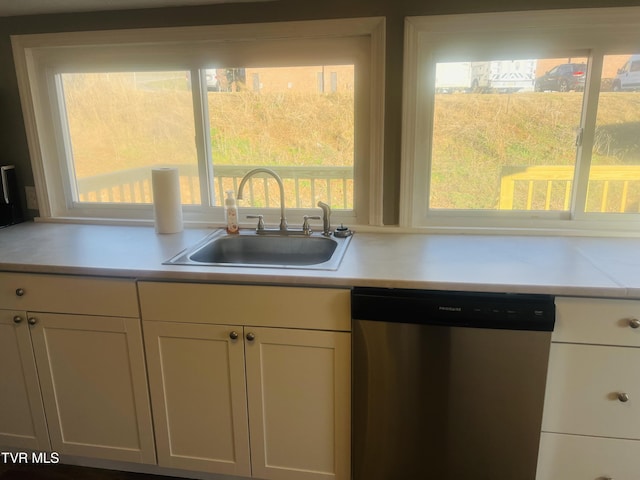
(498, 76)
(628, 76)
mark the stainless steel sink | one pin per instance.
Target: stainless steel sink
(248, 249)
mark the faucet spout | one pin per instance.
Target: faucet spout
(283, 220)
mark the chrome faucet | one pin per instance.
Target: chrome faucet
(283, 220)
(326, 218)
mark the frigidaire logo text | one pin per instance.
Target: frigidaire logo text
(450, 309)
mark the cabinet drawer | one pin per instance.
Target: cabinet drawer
(583, 385)
(292, 307)
(69, 294)
(573, 457)
(598, 321)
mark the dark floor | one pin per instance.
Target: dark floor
(68, 472)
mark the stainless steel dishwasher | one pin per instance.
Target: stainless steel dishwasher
(448, 385)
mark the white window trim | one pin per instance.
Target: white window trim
(586, 32)
(33, 54)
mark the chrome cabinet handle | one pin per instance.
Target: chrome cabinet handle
(32, 320)
(233, 335)
(17, 319)
(634, 323)
(623, 397)
(20, 292)
(251, 336)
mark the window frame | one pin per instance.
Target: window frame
(40, 57)
(590, 33)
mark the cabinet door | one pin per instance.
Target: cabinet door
(22, 420)
(597, 321)
(265, 306)
(299, 389)
(197, 380)
(69, 294)
(583, 387)
(576, 457)
(94, 388)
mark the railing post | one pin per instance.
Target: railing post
(507, 191)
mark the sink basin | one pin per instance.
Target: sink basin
(249, 249)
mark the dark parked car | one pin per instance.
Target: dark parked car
(563, 78)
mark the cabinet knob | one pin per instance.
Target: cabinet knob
(19, 292)
(17, 319)
(233, 335)
(623, 397)
(32, 320)
(634, 323)
(251, 336)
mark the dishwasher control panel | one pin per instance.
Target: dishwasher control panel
(457, 309)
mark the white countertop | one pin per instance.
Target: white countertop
(603, 267)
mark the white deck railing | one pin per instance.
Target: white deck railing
(306, 185)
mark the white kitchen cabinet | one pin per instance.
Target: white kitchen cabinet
(22, 421)
(586, 385)
(90, 365)
(600, 321)
(299, 384)
(68, 294)
(198, 392)
(215, 354)
(263, 306)
(577, 457)
(93, 381)
(591, 427)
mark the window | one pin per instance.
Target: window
(296, 120)
(120, 125)
(301, 98)
(523, 120)
(490, 125)
(614, 176)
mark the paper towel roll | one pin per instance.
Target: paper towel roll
(167, 204)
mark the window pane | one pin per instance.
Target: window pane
(123, 124)
(614, 177)
(504, 134)
(299, 121)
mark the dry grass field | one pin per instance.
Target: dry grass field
(116, 125)
(119, 122)
(475, 135)
(124, 123)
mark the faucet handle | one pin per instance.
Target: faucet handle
(306, 228)
(260, 226)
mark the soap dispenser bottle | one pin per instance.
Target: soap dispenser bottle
(231, 213)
